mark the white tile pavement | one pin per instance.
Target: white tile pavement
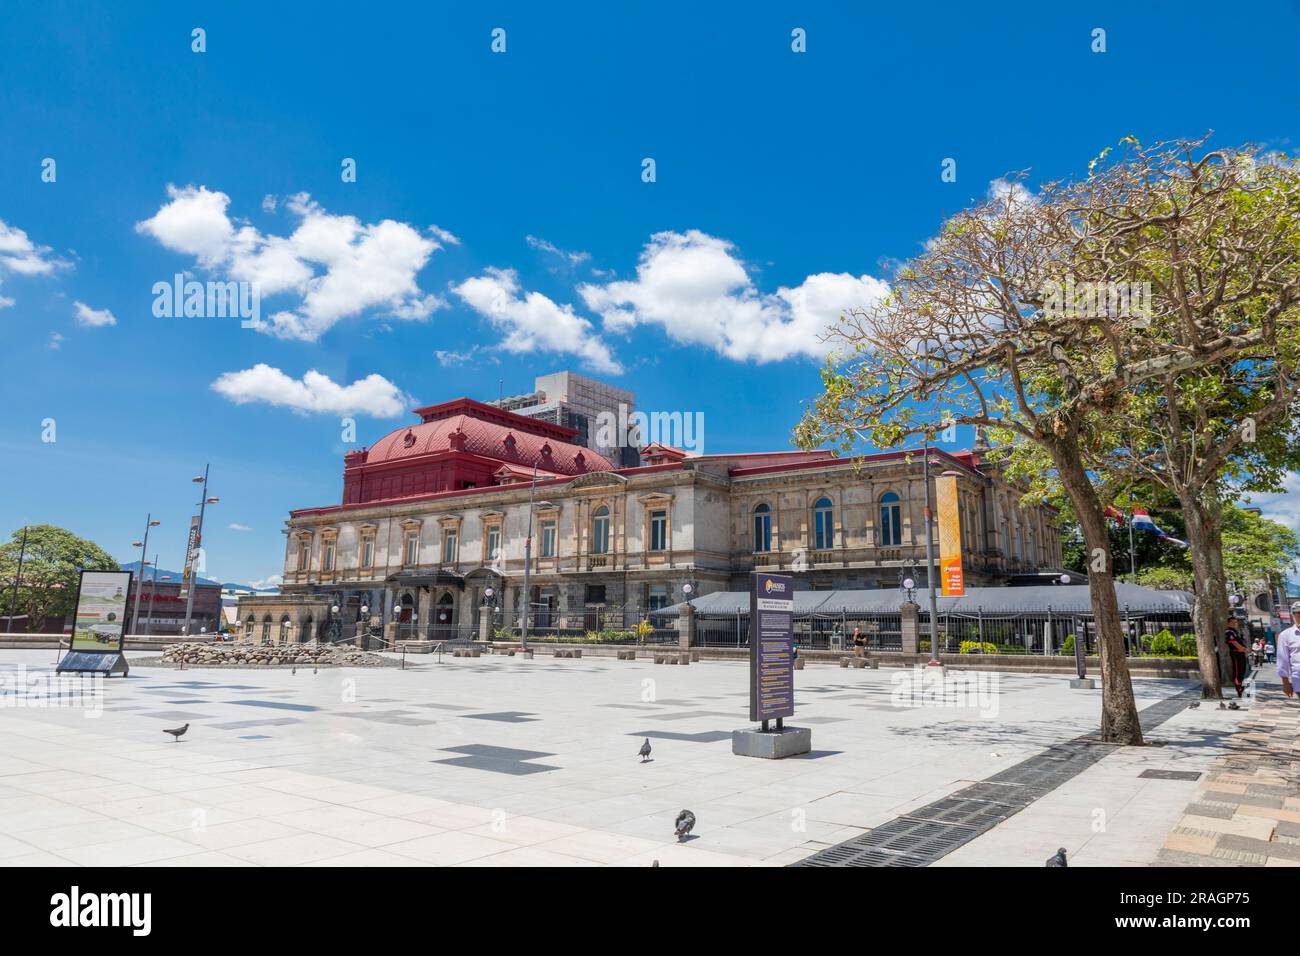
(562, 788)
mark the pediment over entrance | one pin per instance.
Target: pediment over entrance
(598, 479)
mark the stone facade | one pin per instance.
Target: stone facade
(630, 539)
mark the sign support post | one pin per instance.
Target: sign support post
(771, 672)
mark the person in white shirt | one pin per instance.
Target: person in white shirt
(1288, 654)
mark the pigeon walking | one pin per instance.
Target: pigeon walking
(645, 750)
(1233, 705)
(1194, 704)
(684, 824)
(1059, 859)
(177, 732)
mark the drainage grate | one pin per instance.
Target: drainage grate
(1170, 774)
(965, 811)
(931, 832)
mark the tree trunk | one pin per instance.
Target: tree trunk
(1205, 536)
(1119, 715)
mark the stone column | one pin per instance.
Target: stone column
(686, 627)
(910, 615)
(420, 614)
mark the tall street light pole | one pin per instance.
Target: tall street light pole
(929, 562)
(204, 501)
(929, 538)
(153, 593)
(144, 553)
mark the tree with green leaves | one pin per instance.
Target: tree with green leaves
(992, 327)
(52, 564)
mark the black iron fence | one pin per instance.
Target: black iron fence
(596, 625)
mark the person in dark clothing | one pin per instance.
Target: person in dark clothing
(1239, 656)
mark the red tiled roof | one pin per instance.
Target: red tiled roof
(490, 439)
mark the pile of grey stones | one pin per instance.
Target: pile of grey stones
(242, 654)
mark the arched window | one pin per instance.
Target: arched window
(762, 528)
(891, 520)
(266, 629)
(284, 629)
(823, 524)
(600, 531)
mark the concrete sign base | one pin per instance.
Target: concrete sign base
(773, 745)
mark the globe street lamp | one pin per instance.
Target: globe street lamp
(364, 637)
(334, 623)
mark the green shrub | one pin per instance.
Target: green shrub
(1164, 644)
(923, 647)
(1187, 645)
(1067, 646)
(975, 647)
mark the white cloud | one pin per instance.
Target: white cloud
(5, 302)
(20, 255)
(274, 581)
(236, 526)
(448, 358)
(337, 266)
(56, 339)
(573, 258)
(93, 318)
(313, 393)
(442, 235)
(1284, 506)
(693, 285)
(532, 322)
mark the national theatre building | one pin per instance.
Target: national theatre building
(430, 533)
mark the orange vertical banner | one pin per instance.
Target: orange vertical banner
(950, 570)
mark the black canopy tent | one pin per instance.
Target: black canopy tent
(1063, 598)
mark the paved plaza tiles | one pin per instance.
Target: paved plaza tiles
(501, 761)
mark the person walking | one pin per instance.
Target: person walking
(1288, 654)
(859, 643)
(1238, 654)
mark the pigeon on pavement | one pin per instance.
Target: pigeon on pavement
(177, 732)
(1059, 859)
(1233, 705)
(1194, 704)
(645, 750)
(684, 824)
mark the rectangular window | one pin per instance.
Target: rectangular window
(659, 531)
(367, 552)
(304, 555)
(658, 597)
(595, 594)
(493, 542)
(328, 563)
(548, 539)
(449, 547)
(412, 551)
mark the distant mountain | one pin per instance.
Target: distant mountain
(176, 577)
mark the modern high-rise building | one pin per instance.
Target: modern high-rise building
(577, 402)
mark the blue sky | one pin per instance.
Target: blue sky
(785, 184)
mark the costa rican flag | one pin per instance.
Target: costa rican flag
(1142, 521)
